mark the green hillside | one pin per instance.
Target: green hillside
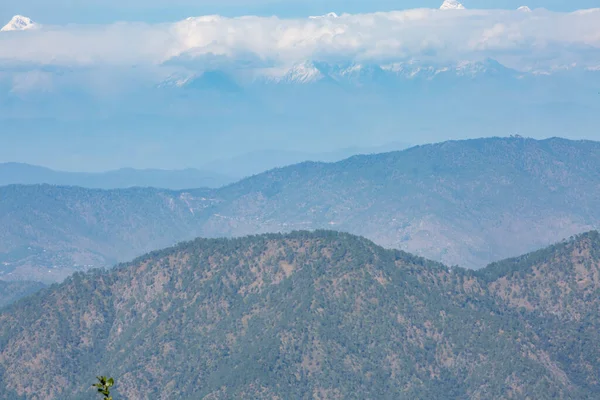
(311, 315)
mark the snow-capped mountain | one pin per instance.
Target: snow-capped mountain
(452, 5)
(412, 70)
(304, 72)
(328, 15)
(308, 72)
(19, 23)
(488, 67)
(354, 73)
(359, 74)
(524, 9)
(348, 73)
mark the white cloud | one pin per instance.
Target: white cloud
(421, 33)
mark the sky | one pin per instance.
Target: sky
(82, 91)
(106, 11)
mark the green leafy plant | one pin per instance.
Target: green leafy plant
(104, 384)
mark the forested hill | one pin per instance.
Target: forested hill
(312, 315)
(557, 290)
(464, 203)
(12, 291)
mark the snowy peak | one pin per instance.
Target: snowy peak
(19, 23)
(487, 67)
(331, 15)
(305, 72)
(452, 5)
(524, 9)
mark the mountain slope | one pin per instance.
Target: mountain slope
(18, 173)
(557, 290)
(49, 231)
(322, 315)
(13, 291)
(464, 202)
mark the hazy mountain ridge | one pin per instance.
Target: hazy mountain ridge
(51, 231)
(20, 173)
(254, 163)
(322, 314)
(514, 193)
(464, 202)
(213, 174)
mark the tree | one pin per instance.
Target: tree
(104, 384)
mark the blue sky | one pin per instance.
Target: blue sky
(105, 11)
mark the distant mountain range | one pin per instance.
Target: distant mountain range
(19, 173)
(214, 174)
(255, 162)
(462, 202)
(349, 73)
(319, 315)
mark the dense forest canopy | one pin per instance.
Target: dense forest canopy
(312, 315)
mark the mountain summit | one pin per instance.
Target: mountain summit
(452, 5)
(328, 15)
(19, 23)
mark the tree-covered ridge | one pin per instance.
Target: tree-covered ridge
(562, 280)
(304, 315)
(559, 258)
(557, 290)
(13, 291)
